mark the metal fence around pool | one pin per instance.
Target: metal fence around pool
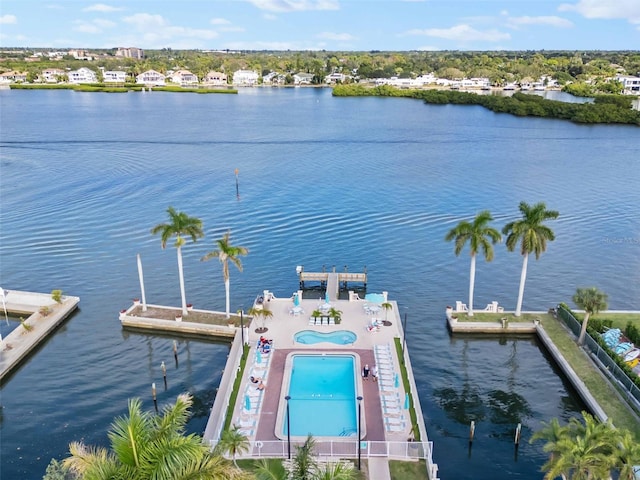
(603, 360)
(342, 449)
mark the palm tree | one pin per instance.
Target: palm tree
(147, 446)
(180, 225)
(225, 253)
(303, 465)
(386, 306)
(627, 455)
(551, 433)
(583, 450)
(591, 300)
(480, 237)
(336, 314)
(262, 313)
(532, 235)
(233, 441)
(271, 469)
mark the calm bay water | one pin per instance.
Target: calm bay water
(323, 181)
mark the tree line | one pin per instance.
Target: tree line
(500, 67)
(605, 109)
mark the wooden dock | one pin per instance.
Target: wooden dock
(333, 280)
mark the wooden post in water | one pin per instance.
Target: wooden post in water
(153, 394)
(237, 187)
(517, 437)
(175, 351)
(141, 277)
(164, 375)
(472, 430)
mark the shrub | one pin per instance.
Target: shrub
(26, 326)
(56, 296)
(44, 311)
(633, 333)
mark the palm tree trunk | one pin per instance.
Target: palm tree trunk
(472, 281)
(523, 277)
(583, 329)
(181, 274)
(227, 288)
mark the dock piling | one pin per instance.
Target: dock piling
(164, 375)
(517, 436)
(175, 351)
(153, 394)
(472, 431)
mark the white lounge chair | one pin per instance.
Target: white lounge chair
(394, 428)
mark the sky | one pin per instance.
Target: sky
(334, 25)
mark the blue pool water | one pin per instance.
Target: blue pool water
(323, 396)
(341, 337)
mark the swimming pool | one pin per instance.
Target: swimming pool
(340, 337)
(323, 396)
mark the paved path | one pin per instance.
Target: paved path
(379, 468)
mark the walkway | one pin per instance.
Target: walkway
(379, 468)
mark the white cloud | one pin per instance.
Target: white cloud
(154, 28)
(551, 21)
(428, 48)
(607, 9)
(462, 33)
(219, 21)
(93, 26)
(504, 13)
(7, 19)
(104, 23)
(342, 37)
(101, 7)
(295, 5)
(85, 27)
(145, 21)
(270, 16)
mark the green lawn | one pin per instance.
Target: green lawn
(619, 320)
(408, 470)
(604, 393)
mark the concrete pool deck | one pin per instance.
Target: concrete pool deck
(282, 327)
(387, 430)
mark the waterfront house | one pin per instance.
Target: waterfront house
(13, 77)
(150, 78)
(303, 78)
(215, 78)
(630, 84)
(184, 78)
(52, 75)
(245, 77)
(335, 78)
(82, 75)
(114, 76)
